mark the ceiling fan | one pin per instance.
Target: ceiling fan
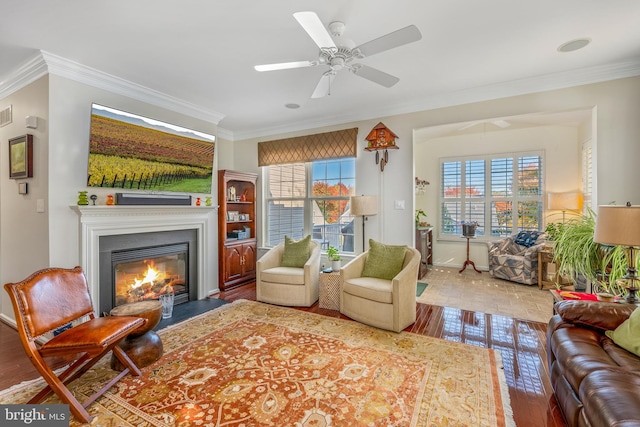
(339, 57)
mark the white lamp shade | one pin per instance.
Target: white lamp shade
(570, 201)
(364, 205)
(618, 225)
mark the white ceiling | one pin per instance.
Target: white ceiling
(203, 52)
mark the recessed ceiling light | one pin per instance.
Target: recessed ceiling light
(572, 45)
(292, 106)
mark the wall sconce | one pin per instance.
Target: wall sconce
(381, 138)
(421, 185)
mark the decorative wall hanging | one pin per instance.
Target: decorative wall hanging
(381, 138)
(21, 157)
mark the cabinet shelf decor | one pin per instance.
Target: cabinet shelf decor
(237, 244)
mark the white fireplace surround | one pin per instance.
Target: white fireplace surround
(96, 221)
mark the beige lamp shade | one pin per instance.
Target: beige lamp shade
(570, 201)
(364, 205)
(618, 225)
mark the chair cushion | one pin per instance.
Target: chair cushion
(527, 238)
(296, 252)
(92, 336)
(283, 275)
(627, 335)
(370, 288)
(383, 261)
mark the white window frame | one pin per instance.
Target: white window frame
(487, 199)
(344, 242)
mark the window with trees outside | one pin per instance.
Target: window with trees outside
(502, 193)
(311, 198)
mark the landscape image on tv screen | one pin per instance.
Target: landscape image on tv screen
(131, 152)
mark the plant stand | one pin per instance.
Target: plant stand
(468, 261)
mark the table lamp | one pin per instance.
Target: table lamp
(570, 201)
(620, 226)
(363, 206)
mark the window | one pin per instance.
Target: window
(512, 203)
(311, 198)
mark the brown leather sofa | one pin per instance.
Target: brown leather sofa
(596, 383)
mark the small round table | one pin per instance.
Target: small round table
(143, 345)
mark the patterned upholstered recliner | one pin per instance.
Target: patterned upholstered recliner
(516, 262)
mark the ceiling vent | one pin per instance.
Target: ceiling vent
(5, 116)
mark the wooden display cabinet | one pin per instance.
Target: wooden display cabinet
(237, 243)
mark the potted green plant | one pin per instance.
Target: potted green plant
(419, 214)
(553, 231)
(582, 259)
(334, 256)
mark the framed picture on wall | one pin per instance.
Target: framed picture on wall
(21, 157)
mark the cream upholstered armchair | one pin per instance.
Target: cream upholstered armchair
(386, 303)
(288, 285)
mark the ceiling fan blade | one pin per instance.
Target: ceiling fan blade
(315, 28)
(375, 75)
(397, 38)
(324, 85)
(285, 65)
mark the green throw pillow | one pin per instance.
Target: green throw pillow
(296, 252)
(383, 261)
(627, 335)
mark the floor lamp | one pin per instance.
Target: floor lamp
(363, 206)
(620, 226)
(570, 201)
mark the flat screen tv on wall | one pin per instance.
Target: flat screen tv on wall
(132, 152)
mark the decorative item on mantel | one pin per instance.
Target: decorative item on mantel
(82, 198)
(381, 138)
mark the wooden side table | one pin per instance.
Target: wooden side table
(545, 257)
(330, 290)
(143, 345)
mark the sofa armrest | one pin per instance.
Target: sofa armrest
(599, 315)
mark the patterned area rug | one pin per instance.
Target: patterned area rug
(250, 364)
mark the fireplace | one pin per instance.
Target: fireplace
(140, 266)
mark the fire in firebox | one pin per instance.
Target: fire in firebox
(147, 279)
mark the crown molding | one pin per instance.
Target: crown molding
(28, 72)
(543, 83)
(44, 62)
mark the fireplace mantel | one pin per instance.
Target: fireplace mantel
(96, 221)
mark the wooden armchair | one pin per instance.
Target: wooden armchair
(51, 299)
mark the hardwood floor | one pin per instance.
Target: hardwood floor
(521, 343)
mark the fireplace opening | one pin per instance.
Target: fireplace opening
(140, 266)
(145, 273)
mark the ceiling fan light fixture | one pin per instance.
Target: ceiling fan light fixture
(574, 45)
(336, 28)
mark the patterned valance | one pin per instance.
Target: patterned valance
(300, 149)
